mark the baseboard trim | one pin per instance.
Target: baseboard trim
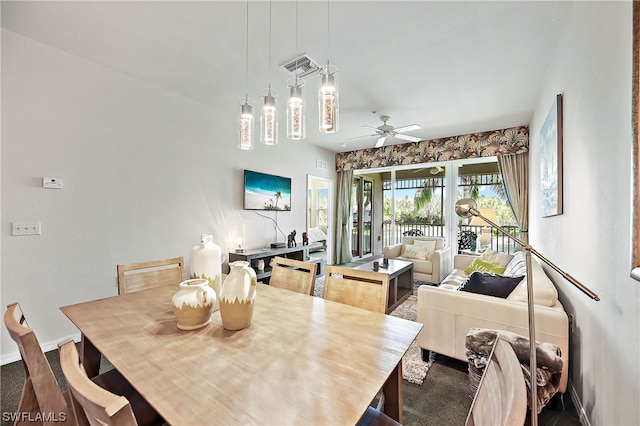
(584, 420)
(46, 347)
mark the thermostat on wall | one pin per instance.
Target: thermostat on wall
(51, 183)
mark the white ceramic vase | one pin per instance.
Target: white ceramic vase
(206, 262)
(238, 296)
(193, 304)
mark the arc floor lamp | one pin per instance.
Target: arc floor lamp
(466, 208)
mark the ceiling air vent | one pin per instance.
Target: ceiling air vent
(301, 66)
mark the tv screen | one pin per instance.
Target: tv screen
(266, 192)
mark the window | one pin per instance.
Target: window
(483, 183)
(419, 198)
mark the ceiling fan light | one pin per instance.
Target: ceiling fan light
(328, 104)
(269, 121)
(296, 123)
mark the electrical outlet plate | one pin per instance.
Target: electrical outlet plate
(25, 228)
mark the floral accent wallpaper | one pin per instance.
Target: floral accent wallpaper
(514, 140)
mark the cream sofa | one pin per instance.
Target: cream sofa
(430, 269)
(449, 314)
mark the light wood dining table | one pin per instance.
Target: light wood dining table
(303, 360)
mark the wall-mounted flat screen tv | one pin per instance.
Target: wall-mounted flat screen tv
(266, 192)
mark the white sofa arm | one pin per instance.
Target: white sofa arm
(462, 261)
(391, 252)
(440, 264)
(448, 315)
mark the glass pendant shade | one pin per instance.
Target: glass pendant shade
(328, 105)
(269, 121)
(245, 131)
(296, 126)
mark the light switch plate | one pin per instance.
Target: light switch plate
(25, 228)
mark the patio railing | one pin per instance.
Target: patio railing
(499, 241)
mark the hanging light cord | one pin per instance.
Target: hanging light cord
(246, 62)
(269, 47)
(297, 57)
(328, 32)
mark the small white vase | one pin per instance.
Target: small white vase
(193, 304)
(238, 296)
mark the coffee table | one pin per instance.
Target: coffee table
(400, 279)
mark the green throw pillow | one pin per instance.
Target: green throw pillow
(482, 266)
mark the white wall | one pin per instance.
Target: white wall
(145, 173)
(592, 239)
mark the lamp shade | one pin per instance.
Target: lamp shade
(489, 214)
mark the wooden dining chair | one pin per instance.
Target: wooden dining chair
(154, 273)
(294, 275)
(94, 403)
(501, 397)
(363, 289)
(367, 290)
(41, 392)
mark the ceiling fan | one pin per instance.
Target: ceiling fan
(385, 131)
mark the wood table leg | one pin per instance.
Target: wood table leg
(90, 357)
(392, 390)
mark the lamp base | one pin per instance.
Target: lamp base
(484, 239)
(278, 245)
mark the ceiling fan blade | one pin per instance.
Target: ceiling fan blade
(380, 141)
(360, 137)
(408, 138)
(407, 128)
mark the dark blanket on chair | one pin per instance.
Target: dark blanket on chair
(479, 343)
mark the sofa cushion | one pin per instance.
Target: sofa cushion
(517, 266)
(455, 278)
(412, 240)
(418, 251)
(490, 284)
(480, 265)
(421, 266)
(544, 292)
(495, 257)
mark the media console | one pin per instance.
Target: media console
(298, 253)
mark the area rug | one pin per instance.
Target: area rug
(414, 369)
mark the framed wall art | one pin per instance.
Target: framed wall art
(551, 160)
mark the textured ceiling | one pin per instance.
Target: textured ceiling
(453, 67)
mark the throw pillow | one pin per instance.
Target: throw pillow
(480, 265)
(496, 258)
(431, 244)
(417, 252)
(490, 284)
(517, 265)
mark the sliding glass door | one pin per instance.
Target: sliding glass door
(362, 215)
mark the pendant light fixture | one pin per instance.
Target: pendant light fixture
(269, 116)
(246, 109)
(296, 123)
(328, 106)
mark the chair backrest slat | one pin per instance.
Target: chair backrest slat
(364, 289)
(155, 273)
(100, 406)
(294, 275)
